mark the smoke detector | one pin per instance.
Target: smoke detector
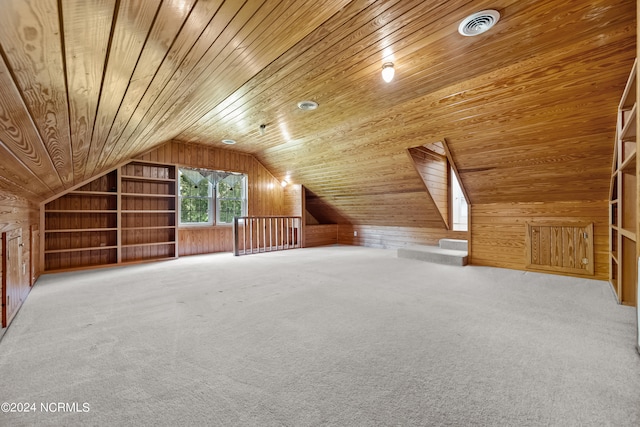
(307, 105)
(478, 22)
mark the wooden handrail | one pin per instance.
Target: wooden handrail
(257, 234)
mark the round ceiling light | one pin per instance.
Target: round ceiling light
(228, 141)
(307, 105)
(478, 22)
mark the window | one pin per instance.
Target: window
(433, 164)
(207, 195)
(459, 205)
(231, 190)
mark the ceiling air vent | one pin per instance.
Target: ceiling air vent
(478, 23)
(307, 105)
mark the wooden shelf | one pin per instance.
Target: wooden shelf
(137, 211)
(168, 196)
(76, 230)
(147, 179)
(628, 98)
(629, 131)
(93, 193)
(623, 197)
(629, 165)
(628, 234)
(149, 259)
(83, 211)
(93, 248)
(132, 245)
(140, 195)
(160, 227)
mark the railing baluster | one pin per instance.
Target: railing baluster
(251, 234)
(256, 239)
(244, 236)
(235, 236)
(264, 233)
(284, 232)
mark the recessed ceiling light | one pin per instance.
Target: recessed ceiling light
(307, 105)
(228, 141)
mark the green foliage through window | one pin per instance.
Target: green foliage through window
(203, 190)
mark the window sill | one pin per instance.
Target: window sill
(203, 226)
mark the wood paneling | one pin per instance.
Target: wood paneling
(87, 27)
(131, 26)
(86, 86)
(560, 246)
(17, 214)
(433, 169)
(25, 159)
(498, 232)
(320, 235)
(265, 194)
(294, 200)
(30, 35)
(503, 128)
(394, 237)
(15, 278)
(318, 211)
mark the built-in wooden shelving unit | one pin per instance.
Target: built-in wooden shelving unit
(126, 215)
(81, 227)
(148, 213)
(623, 198)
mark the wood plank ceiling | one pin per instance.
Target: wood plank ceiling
(528, 109)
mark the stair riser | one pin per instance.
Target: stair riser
(457, 245)
(433, 257)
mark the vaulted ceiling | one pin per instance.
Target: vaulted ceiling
(528, 109)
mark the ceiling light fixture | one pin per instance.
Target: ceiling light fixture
(307, 105)
(388, 71)
(283, 183)
(228, 141)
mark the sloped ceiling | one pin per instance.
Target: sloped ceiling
(528, 109)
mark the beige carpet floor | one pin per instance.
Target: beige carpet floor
(336, 336)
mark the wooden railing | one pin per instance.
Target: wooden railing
(256, 234)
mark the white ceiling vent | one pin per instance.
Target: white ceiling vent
(478, 23)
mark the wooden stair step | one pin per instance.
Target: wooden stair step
(456, 244)
(434, 254)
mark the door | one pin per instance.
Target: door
(15, 289)
(561, 247)
(34, 255)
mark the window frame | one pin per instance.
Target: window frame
(213, 177)
(242, 199)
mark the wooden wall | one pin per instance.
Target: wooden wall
(433, 168)
(293, 200)
(320, 235)
(266, 195)
(498, 231)
(16, 213)
(393, 237)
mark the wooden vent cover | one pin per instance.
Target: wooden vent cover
(560, 247)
